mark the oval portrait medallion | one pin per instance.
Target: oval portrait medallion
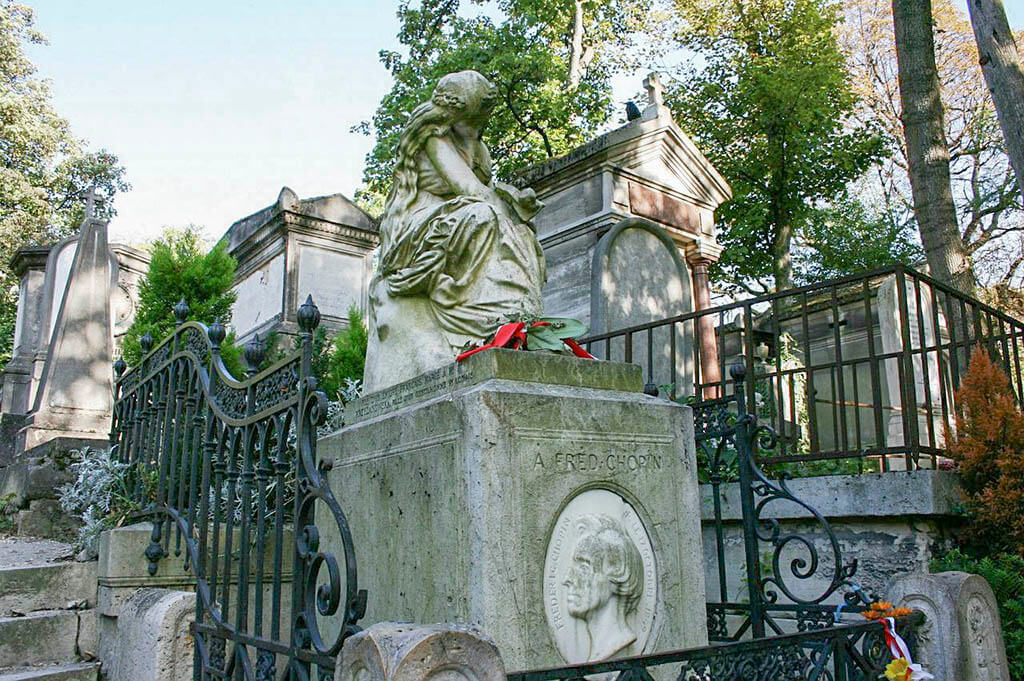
(600, 579)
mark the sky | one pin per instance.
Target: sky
(214, 106)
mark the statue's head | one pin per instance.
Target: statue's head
(605, 564)
(461, 101)
(466, 95)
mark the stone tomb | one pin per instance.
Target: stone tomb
(543, 498)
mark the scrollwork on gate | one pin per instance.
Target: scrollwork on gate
(227, 468)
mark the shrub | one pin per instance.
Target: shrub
(345, 356)
(100, 495)
(181, 267)
(1005, 574)
(989, 452)
(7, 511)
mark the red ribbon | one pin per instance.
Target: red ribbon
(513, 335)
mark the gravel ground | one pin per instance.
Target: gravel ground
(23, 552)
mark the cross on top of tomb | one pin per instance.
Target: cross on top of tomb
(655, 89)
(92, 202)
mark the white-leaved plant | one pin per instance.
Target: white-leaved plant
(99, 496)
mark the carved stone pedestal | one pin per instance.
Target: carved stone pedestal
(542, 498)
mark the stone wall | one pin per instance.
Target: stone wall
(891, 523)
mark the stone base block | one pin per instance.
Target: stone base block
(962, 637)
(542, 498)
(406, 652)
(44, 518)
(153, 638)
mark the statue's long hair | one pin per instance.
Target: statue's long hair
(456, 95)
(427, 120)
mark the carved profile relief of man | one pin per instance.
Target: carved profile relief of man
(604, 584)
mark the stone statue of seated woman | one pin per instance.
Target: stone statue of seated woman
(458, 255)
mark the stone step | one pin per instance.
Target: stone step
(46, 637)
(79, 671)
(46, 587)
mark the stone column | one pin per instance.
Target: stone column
(710, 369)
(29, 265)
(411, 652)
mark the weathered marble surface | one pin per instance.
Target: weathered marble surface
(391, 651)
(457, 499)
(962, 637)
(458, 253)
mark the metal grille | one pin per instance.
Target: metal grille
(228, 471)
(856, 374)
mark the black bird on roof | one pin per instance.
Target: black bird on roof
(632, 111)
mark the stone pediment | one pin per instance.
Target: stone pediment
(332, 209)
(652, 149)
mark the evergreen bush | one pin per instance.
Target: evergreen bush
(989, 453)
(1005, 574)
(180, 267)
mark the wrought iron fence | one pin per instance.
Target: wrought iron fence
(855, 374)
(228, 471)
(794, 583)
(849, 652)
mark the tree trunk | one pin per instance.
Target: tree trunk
(782, 258)
(927, 151)
(1000, 62)
(576, 49)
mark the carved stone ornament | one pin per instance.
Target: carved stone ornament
(458, 252)
(600, 579)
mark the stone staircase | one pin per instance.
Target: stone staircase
(47, 613)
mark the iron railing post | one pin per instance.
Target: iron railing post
(745, 434)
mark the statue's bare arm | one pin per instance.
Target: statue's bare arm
(454, 169)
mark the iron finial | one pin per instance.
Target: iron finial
(738, 372)
(253, 353)
(120, 366)
(181, 311)
(146, 343)
(216, 333)
(309, 315)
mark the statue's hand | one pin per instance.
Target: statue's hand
(523, 201)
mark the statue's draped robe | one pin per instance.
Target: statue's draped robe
(473, 264)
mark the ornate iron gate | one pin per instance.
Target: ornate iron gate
(728, 439)
(228, 470)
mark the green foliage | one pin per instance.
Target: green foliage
(181, 267)
(769, 102)
(343, 357)
(541, 112)
(103, 493)
(846, 237)
(44, 169)
(1005, 574)
(7, 511)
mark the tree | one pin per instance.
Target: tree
(1000, 62)
(769, 103)
(847, 236)
(551, 63)
(180, 267)
(987, 200)
(44, 170)
(927, 151)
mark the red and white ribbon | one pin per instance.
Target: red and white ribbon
(899, 649)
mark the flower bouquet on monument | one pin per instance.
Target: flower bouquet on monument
(555, 334)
